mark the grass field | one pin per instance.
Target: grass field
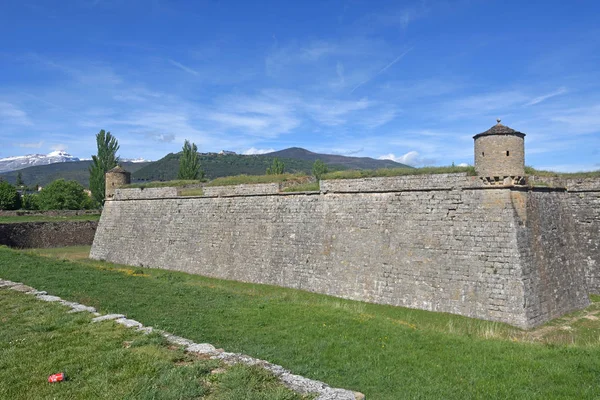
(45, 218)
(108, 361)
(385, 352)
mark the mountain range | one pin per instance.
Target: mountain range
(19, 162)
(40, 172)
(15, 163)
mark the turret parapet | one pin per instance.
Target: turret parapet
(500, 156)
(114, 179)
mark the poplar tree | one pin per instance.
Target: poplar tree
(20, 182)
(276, 168)
(104, 161)
(189, 162)
(319, 169)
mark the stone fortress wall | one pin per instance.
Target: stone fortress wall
(447, 242)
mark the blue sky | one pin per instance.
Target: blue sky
(412, 81)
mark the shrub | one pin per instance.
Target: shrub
(63, 195)
(9, 197)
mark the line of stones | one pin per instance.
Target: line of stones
(296, 383)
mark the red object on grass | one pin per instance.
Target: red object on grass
(56, 377)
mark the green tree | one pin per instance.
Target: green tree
(319, 169)
(189, 162)
(63, 195)
(276, 168)
(29, 201)
(9, 197)
(20, 180)
(104, 161)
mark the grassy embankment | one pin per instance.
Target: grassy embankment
(46, 218)
(299, 182)
(108, 361)
(385, 352)
(387, 172)
(543, 173)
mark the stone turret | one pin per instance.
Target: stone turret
(115, 178)
(500, 156)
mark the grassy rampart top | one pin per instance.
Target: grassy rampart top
(543, 173)
(304, 181)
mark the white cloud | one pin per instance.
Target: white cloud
(253, 151)
(59, 147)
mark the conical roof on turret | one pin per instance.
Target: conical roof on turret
(118, 169)
(499, 129)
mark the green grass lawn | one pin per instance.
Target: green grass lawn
(385, 352)
(45, 218)
(108, 361)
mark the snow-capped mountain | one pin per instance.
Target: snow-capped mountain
(20, 162)
(134, 160)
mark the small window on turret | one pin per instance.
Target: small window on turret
(507, 153)
(482, 154)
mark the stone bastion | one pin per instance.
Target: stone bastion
(449, 243)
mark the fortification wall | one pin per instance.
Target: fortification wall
(47, 234)
(451, 247)
(584, 207)
(554, 261)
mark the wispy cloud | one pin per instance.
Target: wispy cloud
(579, 120)
(11, 114)
(539, 99)
(183, 67)
(35, 145)
(412, 158)
(254, 151)
(344, 152)
(59, 147)
(379, 117)
(334, 113)
(382, 70)
(161, 137)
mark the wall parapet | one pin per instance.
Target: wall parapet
(145, 193)
(241, 190)
(400, 183)
(571, 184)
